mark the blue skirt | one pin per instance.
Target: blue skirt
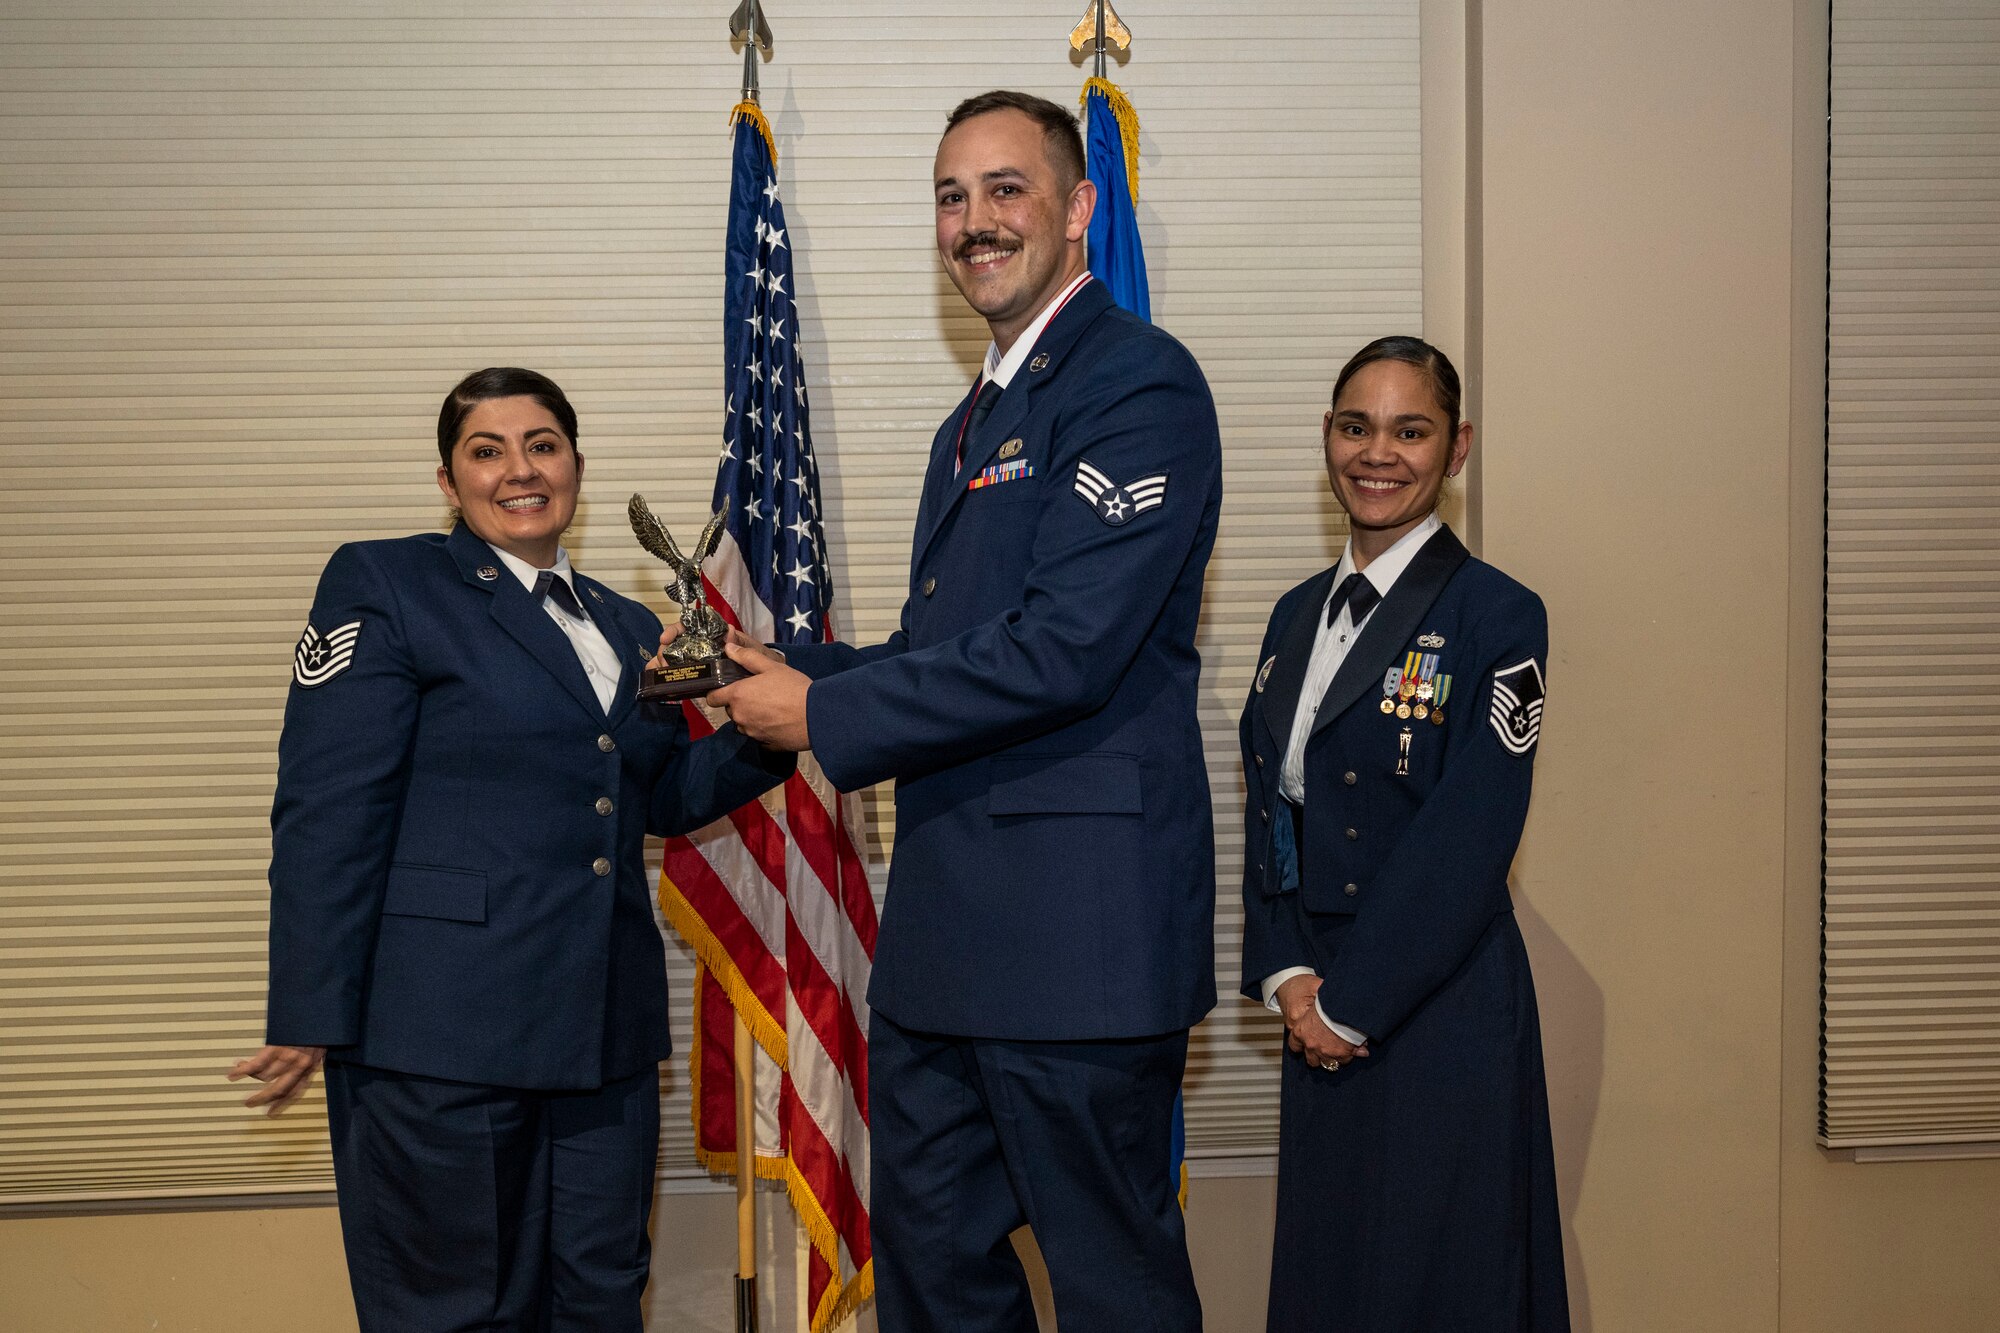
(1417, 1187)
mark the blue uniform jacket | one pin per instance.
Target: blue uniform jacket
(1419, 861)
(458, 882)
(1054, 864)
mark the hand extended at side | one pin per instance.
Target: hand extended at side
(285, 1071)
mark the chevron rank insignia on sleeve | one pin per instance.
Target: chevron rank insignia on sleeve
(1517, 705)
(321, 657)
(1115, 504)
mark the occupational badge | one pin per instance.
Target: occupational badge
(1403, 754)
(1115, 504)
(321, 657)
(1009, 449)
(1517, 705)
(1430, 641)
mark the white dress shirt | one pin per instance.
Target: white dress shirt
(600, 663)
(1330, 645)
(1002, 369)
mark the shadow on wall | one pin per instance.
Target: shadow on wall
(1572, 1009)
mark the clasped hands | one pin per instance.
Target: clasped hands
(768, 705)
(1298, 1003)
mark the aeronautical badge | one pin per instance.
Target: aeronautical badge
(1009, 449)
(321, 657)
(1430, 641)
(1264, 673)
(1117, 504)
(1517, 705)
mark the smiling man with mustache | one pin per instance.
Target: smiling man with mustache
(1048, 935)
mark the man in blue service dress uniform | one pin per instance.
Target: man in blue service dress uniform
(1047, 939)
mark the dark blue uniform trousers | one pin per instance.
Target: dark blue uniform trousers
(470, 1207)
(973, 1137)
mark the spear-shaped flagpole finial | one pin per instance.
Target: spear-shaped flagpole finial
(747, 24)
(1100, 29)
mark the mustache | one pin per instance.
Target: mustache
(984, 240)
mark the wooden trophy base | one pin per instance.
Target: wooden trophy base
(673, 683)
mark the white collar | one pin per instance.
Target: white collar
(1002, 369)
(1386, 568)
(528, 574)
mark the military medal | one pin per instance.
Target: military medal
(1437, 707)
(1408, 689)
(1390, 684)
(1425, 689)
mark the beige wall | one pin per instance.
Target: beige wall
(1651, 209)
(1643, 270)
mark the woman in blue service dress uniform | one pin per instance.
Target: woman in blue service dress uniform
(1388, 744)
(461, 916)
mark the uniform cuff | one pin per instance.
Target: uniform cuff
(1277, 979)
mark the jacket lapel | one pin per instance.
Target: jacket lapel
(938, 478)
(624, 634)
(1383, 637)
(1058, 339)
(517, 612)
(1288, 672)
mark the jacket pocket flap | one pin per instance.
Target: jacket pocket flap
(450, 895)
(1068, 784)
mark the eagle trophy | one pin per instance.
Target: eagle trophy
(694, 663)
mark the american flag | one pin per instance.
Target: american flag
(775, 900)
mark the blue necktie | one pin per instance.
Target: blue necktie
(1357, 594)
(553, 586)
(982, 407)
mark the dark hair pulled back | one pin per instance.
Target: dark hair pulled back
(1410, 351)
(500, 382)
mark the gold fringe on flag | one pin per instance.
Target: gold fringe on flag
(750, 111)
(721, 1163)
(1128, 126)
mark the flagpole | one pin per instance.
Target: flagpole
(747, 23)
(746, 1178)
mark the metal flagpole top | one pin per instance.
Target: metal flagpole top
(1101, 27)
(747, 25)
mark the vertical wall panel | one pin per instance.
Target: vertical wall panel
(1912, 917)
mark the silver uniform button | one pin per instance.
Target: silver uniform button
(602, 866)
(930, 586)
(1348, 778)
(1260, 761)
(1353, 834)
(1351, 890)
(604, 806)
(606, 744)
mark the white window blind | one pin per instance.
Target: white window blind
(1911, 1037)
(243, 253)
